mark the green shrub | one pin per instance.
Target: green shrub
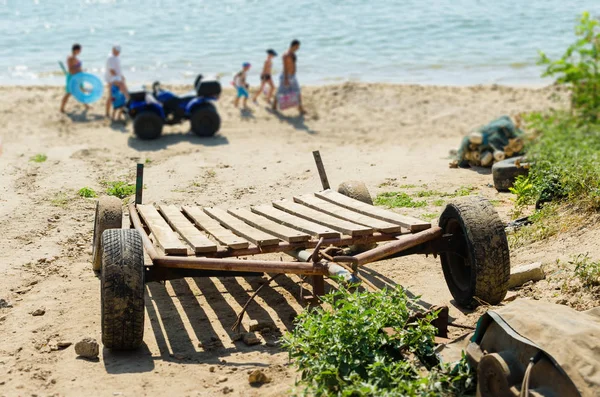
(586, 270)
(119, 189)
(398, 199)
(87, 192)
(578, 68)
(342, 351)
(38, 158)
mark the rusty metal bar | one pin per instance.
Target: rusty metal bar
(321, 169)
(240, 265)
(385, 250)
(137, 224)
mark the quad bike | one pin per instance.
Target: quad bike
(150, 111)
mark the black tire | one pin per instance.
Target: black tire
(109, 215)
(356, 190)
(122, 289)
(205, 120)
(147, 125)
(482, 269)
(505, 172)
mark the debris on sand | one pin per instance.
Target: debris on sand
(258, 377)
(88, 348)
(250, 339)
(38, 312)
(4, 304)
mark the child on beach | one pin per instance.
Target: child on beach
(239, 82)
(73, 67)
(265, 76)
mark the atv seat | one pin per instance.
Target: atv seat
(208, 88)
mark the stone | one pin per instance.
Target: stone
(227, 390)
(250, 339)
(258, 377)
(211, 368)
(63, 344)
(222, 379)
(520, 275)
(4, 304)
(236, 337)
(38, 312)
(256, 325)
(88, 348)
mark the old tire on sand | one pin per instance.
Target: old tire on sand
(122, 289)
(356, 190)
(480, 269)
(505, 172)
(109, 215)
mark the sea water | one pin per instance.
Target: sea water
(454, 42)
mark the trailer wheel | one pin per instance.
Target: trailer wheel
(481, 267)
(147, 125)
(356, 190)
(122, 289)
(205, 120)
(109, 215)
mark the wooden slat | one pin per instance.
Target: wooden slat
(214, 228)
(187, 230)
(327, 207)
(241, 228)
(165, 237)
(349, 228)
(268, 226)
(413, 224)
(295, 222)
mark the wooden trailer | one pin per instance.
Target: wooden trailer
(194, 241)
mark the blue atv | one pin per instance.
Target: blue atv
(150, 111)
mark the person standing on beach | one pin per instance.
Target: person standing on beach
(114, 76)
(288, 81)
(265, 76)
(74, 67)
(239, 82)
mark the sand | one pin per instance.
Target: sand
(386, 135)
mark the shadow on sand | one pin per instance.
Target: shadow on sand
(167, 140)
(83, 116)
(298, 122)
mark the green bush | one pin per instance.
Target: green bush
(565, 161)
(578, 68)
(342, 351)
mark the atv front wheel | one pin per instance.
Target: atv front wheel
(205, 120)
(122, 289)
(147, 125)
(480, 267)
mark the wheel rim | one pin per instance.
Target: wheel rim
(458, 264)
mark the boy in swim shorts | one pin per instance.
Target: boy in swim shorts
(239, 82)
(265, 76)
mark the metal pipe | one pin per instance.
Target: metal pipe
(137, 224)
(241, 265)
(385, 250)
(333, 269)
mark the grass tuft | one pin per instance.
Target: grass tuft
(38, 158)
(119, 189)
(87, 192)
(586, 270)
(397, 200)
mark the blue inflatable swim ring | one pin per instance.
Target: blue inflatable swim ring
(85, 87)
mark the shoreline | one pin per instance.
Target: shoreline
(227, 87)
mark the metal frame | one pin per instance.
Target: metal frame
(225, 262)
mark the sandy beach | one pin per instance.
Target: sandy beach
(392, 137)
